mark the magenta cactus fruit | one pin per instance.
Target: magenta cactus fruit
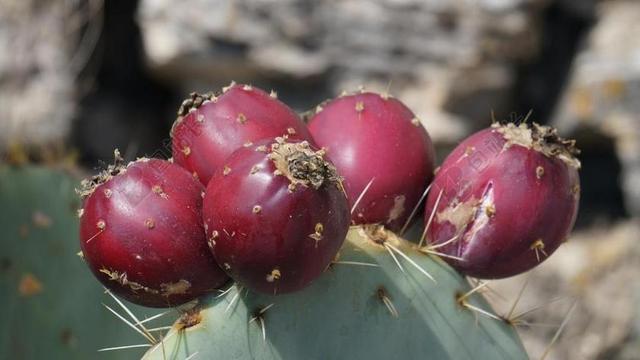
(209, 128)
(375, 141)
(275, 215)
(141, 233)
(504, 200)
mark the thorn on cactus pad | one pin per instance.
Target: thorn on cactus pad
(235, 298)
(357, 263)
(383, 296)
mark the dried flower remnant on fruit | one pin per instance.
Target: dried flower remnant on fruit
(543, 139)
(194, 101)
(88, 186)
(301, 165)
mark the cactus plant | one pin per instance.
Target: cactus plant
(142, 235)
(284, 220)
(363, 307)
(383, 152)
(209, 128)
(50, 302)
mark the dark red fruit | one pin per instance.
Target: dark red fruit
(142, 236)
(377, 139)
(275, 215)
(210, 128)
(508, 199)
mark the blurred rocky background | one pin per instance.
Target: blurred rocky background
(81, 77)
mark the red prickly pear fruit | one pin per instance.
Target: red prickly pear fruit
(209, 128)
(504, 200)
(142, 236)
(276, 215)
(376, 140)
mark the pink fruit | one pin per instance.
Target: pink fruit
(508, 199)
(376, 139)
(210, 128)
(275, 215)
(142, 236)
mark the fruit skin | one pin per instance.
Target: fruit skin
(209, 128)
(510, 194)
(343, 316)
(369, 136)
(268, 226)
(142, 236)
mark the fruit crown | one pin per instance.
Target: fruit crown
(89, 186)
(302, 165)
(543, 139)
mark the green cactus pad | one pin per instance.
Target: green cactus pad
(51, 304)
(353, 311)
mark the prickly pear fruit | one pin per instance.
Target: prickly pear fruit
(376, 140)
(504, 200)
(275, 215)
(142, 236)
(209, 128)
(363, 307)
